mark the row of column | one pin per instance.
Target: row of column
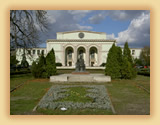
(86, 55)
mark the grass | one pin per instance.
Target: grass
(126, 97)
(24, 99)
(16, 80)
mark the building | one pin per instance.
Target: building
(92, 46)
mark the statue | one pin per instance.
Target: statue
(80, 66)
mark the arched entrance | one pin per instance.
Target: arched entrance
(93, 56)
(81, 52)
(69, 55)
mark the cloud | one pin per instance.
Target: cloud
(110, 36)
(96, 19)
(120, 15)
(79, 14)
(65, 20)
(138, 32)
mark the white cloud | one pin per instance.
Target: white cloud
(96, 19)
(138, 32)
(65, 20)
(111, 36)
(120, 15)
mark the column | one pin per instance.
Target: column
(75, 56)
(87, 57)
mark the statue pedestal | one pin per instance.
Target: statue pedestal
(80, 73)
(79, 78)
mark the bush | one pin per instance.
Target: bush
(34, 70)
(103, 65)
(51, 64)
(144, 73)
(114, 60)
(58, 64)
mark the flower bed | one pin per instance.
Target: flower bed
(60, 96)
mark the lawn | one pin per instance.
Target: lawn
(126, 97)
(16, 80)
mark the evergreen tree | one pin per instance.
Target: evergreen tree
(50, 63)
(24, 62)
(42, 67)
(113, 65)
(34, 69)
(127, 53)
(128, 65)
(145, 56)
(126, 69)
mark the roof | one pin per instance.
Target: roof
(79, 40)
(82, 31)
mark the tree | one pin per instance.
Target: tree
(34, 69)
(50, 63)
(128, 70)
(13, 60)
(24, 27)
(114, 62)
(24, 62)
(145, 56)
(41, 67)
(127, 53)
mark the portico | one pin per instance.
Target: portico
(93, 46)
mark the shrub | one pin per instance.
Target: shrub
(34, 70)
(113, 65)
(41, 67)
(50, 63)
(103, 64)
(58, 64)
(39, 70)
(128, 71)
(144, 73)
(24, 62)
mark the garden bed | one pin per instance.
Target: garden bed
(76, 97)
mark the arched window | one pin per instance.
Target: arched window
(70, 54)
(92, 54)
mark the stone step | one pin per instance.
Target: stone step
(79, 78)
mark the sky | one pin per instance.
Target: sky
(132, 26)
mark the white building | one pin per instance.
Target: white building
(93, 46)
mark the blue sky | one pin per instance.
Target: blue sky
(123, 25)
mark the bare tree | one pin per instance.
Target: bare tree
(25, 26)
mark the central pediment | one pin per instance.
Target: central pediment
(80, 34)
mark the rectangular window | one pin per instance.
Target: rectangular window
(42, 51)
(38, 52)
(29, 51)
(34, 51)
(133, 52)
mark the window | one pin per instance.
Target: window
(92, 54)
(38, 52)
(34, 51)
(29, 51)
(42, 51)
(133, 52)
(69, 54)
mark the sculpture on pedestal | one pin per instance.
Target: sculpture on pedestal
(80, 66)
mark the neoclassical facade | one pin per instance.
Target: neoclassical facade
(92, 46)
